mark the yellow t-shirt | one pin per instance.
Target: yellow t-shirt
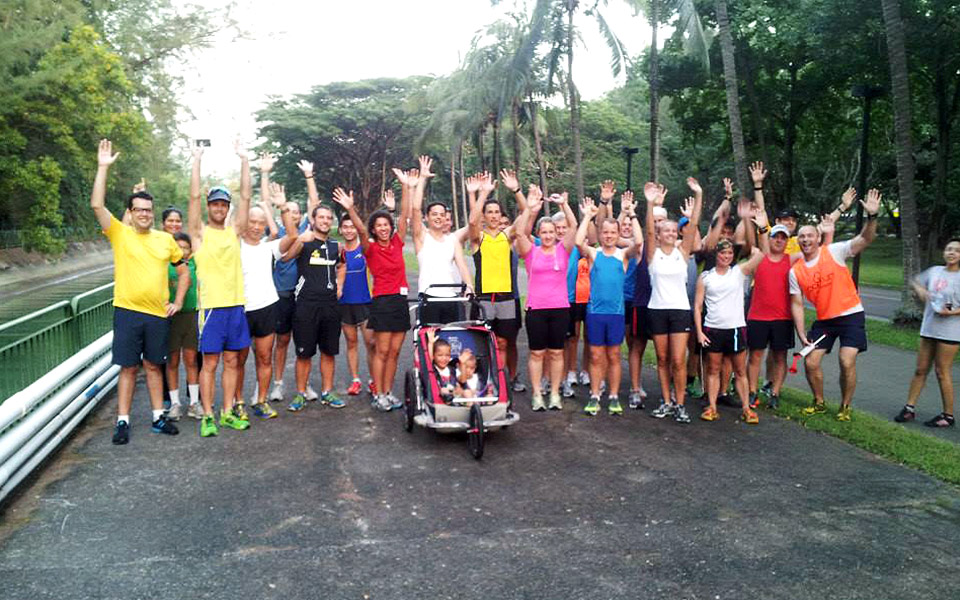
(792, 246)
(494, 264)
(140, 267)
(219, 272)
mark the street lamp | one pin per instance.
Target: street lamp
(630, 152)
(868, 93)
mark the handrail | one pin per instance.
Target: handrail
(35, 314)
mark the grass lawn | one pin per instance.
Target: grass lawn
(881, 264)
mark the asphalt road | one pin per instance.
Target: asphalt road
(880, 303)
(345, 504)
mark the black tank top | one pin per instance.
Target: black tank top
(317, 268)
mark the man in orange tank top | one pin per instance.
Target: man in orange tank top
(822, 277)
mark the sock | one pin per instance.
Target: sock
(612, 398)
(357, 379)
(324, 393)
(174, 396)
(157, 414)
(123, 418)
(194, 389)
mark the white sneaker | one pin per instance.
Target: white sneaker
(173, 413)
(383, 403)
(643, 393)
(571, 378)
(195, 411)
(310, 394)
(584, 378)
(567, 389)
(518, 386)
(276, 394)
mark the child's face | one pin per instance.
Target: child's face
(468, 368)
(185, 247)
(441, 356)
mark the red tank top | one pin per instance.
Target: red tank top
(770, 300)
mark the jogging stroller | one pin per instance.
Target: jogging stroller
(425, 402)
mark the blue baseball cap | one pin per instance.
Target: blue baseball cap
(218, 193)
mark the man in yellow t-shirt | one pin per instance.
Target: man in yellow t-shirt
(140, 296)
(221, 319)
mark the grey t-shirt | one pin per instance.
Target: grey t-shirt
(944, 289)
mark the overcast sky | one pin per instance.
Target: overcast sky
(295, 45)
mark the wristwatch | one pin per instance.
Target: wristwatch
(872, 217)
(763, 230)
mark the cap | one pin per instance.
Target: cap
(659, 211)
(780, 229)
(724, 245)
(788, 213)
(683, 221)
(218, 193)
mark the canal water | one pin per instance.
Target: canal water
(17, 300)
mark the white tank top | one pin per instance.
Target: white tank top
(723, 298)
(668, 278)
(437, 264)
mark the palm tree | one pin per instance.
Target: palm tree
(733, 96)
(906, 168)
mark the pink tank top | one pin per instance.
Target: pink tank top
(547, 274)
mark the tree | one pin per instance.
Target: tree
(733, 97)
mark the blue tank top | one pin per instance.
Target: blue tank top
(642, 289)
(356, 289)
(606, 284)
(572, 274)
(630, 281)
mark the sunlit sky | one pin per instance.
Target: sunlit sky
(295, 45)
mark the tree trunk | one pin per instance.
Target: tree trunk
(906, 169)
(733, 97)
(483, 159)
(463, 183)
(654, 83)
(515, 122)
(574, 102)
(538, 148)
(790, 138)
(759, 126)
(947, 105)
(495, 153)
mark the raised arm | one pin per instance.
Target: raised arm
(688, 240)
(758, 174)
(871, 209)
(763, 229)
(510, 181)
(608, 190)
(590, 210)
(266, 163)
(246, 191)
(846, 201)
(406, 199)
(534, 195)
(272, 230)
(570, 239)
(313, 197)
(345, 200)
(194, 225)
(416, 208)
(651, 191)
(290, 244)
(476, 209)
(523, 241)
(105, 158)
(746, 213)
(719, 220)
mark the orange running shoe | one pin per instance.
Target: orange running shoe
(709, 414)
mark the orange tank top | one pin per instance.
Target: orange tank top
(583, 281)
(827, 285)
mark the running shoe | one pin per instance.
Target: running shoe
(773, 402)
(298, 404)
(750, 418)
(518, 386)
(584, 378)
(239, 410)
(754, 401)
(680, 414)
(709, 414)
(593, 406)
(818, 408)
(163, 425)
(311, 394)
(332, 399)
(276, 393)
(174, 412)
(121, 433)
(355, 388)
(555, 402)
(371, 387)
(208, 426)
(767, 389)
(264, 410)
(566, 390)
(907, 413)
(614, 406)
(695, 389)
(571, 379)
(664, 410)
(636, 400)
(395, 403)
(383, 403)
(844, 414)
(230, 420)
(195, 411)
(643, 392)
(537, 404)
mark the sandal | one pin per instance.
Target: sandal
(750, 417)
(941, 420)
(906, 414)
(709, 414)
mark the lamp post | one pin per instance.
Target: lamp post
(630, 152)
(868, 93)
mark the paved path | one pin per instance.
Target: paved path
(344, 504)
(880, 303)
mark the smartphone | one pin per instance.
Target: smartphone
(202, 143)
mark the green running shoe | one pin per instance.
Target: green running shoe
(614, 406)
(239, 410)
(264, 410)
(231, 421)
(593, 406)
(818, 408)
(298, 404)
(695, 389)
(332, 399)
(208, 426)
(537, 404)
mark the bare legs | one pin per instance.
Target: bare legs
(387, 345)
(353, 355)
(941, 356)
(776, 369)
(228, 380)
(848, 374)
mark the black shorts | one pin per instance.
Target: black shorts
(183, 331)
(776, 335)
(664, 321)
(263, 321)
(637, 322)
(286, 307)
(138, 336)
(726, 341)
(354, 314)
(851, 329)
(547, 328)
(316, 325)
(578, 315)
(503, 316)
(389, 313)
(440, 313)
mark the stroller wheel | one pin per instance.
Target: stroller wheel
(475, 433)
(409, 400)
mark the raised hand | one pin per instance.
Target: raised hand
(389, 200)
(344, 199)
(651, 191)
(105, 155)
(534, 193)
(266, 162)
(589, 208)
(509, 180)
(626, 202)
(535, 204)
(745, 208)
(826, 225)
(425, 163)
(140, 186)
(486, 183)
(307, 167)
(757, 173)
(662, 195)
(686, 209)
(239, 149)
(727, 187)
(760, 217)
(278, 194)
(694, 185)
(872, 205)
(847, 199)
(473, 183)
(607, 189)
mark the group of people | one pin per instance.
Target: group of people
(714, 303)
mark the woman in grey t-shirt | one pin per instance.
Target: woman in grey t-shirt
(939, 288)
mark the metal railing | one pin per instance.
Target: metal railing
(33, 344)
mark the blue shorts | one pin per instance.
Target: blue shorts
(605, 330)
(223, 329)
(136, 335)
